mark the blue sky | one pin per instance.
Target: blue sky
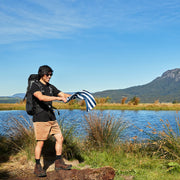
(90, 44)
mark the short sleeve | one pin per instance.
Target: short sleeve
(34, 88)
(55, 90)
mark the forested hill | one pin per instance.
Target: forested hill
(165, 89)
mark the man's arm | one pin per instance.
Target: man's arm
(63, 95)
(41, 97)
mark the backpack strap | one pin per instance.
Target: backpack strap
(50, 89)
(51, 93)
(40, 86)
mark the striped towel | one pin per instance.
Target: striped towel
(84, 95)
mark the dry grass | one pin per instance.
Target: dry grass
(12, 106)
(144, 106)
(103, 130)
(101, 106)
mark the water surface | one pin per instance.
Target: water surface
(134, 119)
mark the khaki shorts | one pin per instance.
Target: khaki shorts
(43, 129)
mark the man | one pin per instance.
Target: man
(44, 119)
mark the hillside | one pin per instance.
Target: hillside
(16, 98)
(165, 88)
(4, 99)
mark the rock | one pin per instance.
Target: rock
(104, 173)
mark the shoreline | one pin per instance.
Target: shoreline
(104, 106)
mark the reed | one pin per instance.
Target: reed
(20, 136)
(165, 143)
(103, 130)
(71, 149)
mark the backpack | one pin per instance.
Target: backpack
(31, 106)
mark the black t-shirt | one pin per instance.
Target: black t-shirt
(46, 114)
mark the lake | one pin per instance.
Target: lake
(134, 119)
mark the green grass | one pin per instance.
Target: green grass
(130, 164)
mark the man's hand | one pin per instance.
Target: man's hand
(62, 99)
(64, 96)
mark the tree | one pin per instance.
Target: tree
(123, 100)
(135, 100)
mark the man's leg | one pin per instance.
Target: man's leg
(59, 163)
(38, 169)
(38, 149)
(41, 130)
(59, 143)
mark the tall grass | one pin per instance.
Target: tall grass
(165, 143)
(103, 130)
(20, 138)
(169, 143)
(71, 150)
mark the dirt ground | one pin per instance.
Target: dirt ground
(16, 172)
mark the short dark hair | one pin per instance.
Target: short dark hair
(45, 69)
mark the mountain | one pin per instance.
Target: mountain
(19, 95)
(16, 98)
(165, 88)
(9, 99)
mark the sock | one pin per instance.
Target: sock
(58, 156)
(37, 161)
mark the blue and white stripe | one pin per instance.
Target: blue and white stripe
(84, 95)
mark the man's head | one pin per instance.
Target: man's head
(45, 73)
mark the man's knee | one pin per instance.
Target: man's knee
(59, 138)
(40, 144)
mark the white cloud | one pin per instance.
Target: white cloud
(33, 20)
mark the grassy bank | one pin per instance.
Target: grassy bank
(104, 106)
(156, 158)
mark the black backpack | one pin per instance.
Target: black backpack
(31, 106)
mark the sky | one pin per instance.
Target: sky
(94, 45)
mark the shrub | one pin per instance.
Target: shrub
(20, 136)
(123, 100)
(166, 143)
(135, 100)
(82, 103)
(71, 147)
(102, 100)
(156, 101)
(103, 130)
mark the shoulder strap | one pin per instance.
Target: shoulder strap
(50, 89)
(39, 85)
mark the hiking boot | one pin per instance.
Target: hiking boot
(60, 165)
(39, 171)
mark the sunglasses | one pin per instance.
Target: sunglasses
(49, 74)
